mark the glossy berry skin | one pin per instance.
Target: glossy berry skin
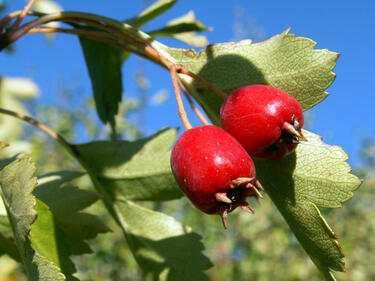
(205, 160)
(265, 120)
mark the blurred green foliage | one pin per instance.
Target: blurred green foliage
(254, 247)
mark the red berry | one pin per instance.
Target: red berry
(265, 120)
(214, 171)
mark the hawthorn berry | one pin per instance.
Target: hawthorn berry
(214, 171)
(265, 120)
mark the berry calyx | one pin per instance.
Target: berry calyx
(214, 171)
(265, 120)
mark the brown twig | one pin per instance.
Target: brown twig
(113, 26)
(97, 35)
(24, 13)
(117, 35)
(193, 106)
(43, 128)
(5, 20)
(76, 17)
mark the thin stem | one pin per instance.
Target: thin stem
(128, 33)
(24, 13)
(122, 30)
(71, 31)
(180, 105)
(5, 20)
(92, 34)
(57, 137)
(127, 30)
(158, 58)
(193, 106)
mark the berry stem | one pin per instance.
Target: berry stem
(180, 105)
(193, 106)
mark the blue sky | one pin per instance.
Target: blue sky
(344, 118)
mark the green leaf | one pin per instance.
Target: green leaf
(7, 243)
(61, 196)
(138, 170)
(157, 241)
(151, 12)
(165, 249)
(66, 201)
(49, 241)
(322, 173)
(315, 175)
(6, 161)
(82, 226)
(284, 61)
(17, 182)
(184, 29)
(104, 64)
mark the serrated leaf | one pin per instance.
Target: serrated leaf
(17, 182)
(316, 174)
(322, 173)
(284, 61)
(164, 248)
(151, 12)
(137, 170)
(184, 29)
(104, 64)
(7, 242)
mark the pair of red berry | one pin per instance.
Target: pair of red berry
(213, 166)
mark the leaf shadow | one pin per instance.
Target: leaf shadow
(6, 161)
(175, 258)
(227, 72)
(277, 178)
(115, 153)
